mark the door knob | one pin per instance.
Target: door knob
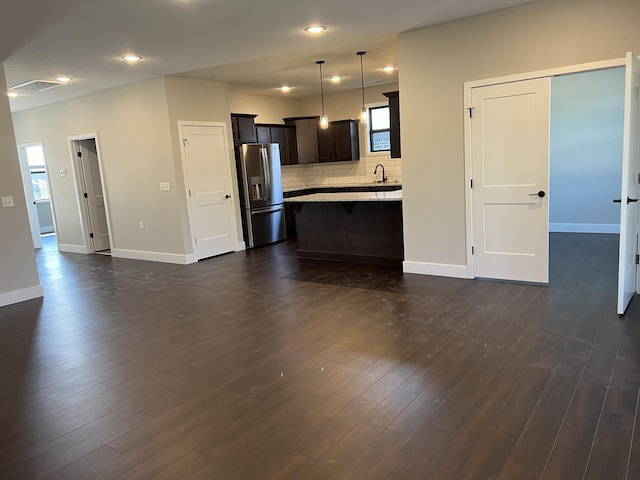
(227, 196)
(539, 194)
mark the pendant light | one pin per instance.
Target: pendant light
(364, 116)
(324, 121)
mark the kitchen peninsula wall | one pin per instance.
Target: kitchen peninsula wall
(338, 106)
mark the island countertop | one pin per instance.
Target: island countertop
(393, 196)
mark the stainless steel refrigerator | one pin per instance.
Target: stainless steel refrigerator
(262, 200)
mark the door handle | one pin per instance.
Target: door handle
(227, 196)
(629, 200)
(539, 194)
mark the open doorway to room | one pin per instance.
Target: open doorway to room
(585, 151)
(37, 191)
(93, 206)
(571, 152)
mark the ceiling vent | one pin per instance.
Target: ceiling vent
(35, 86)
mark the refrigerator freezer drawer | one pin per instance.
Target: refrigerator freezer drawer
(267, 225)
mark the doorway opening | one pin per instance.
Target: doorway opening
(590, 140)
(93, 205)
(37, 191)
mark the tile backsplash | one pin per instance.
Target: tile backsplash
(296, 177)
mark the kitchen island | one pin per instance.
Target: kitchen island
(363, 227)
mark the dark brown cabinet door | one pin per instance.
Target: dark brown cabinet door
(243, 128)
(263, 134)
(292, 146)
(340, 142)
(346, 142)
(306, 139)
(276, 133)
(278, 136)
(325, 144)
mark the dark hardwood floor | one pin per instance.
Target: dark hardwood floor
(257, 365)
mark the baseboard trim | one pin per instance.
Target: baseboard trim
(436, 269)
(152, 256)
(584, 227)
(22, 295)
(62, 247)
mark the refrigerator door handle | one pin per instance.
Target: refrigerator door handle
(266, 172)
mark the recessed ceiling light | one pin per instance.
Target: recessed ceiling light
(12, 94)
(131, 58)
(335, 78)
(285, 88)
(315, 28)
(63, 79)
(389, 68)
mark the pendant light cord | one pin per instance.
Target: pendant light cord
(361, 54)
(320, 62)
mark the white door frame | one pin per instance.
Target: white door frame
(468, 86)
(192, 257)
(84, 214)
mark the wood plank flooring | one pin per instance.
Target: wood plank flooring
(258, 365)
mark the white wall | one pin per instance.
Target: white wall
(201, 101)
(18, 273)
(270, 109)
(434, 64)
(136, 152)
(585, 164)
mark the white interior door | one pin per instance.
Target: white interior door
(630, 192)
(208, 185)
(510, 170)
(94, 196)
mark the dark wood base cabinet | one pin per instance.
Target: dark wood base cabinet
(361, 232)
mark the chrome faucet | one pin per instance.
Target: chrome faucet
(384, 178)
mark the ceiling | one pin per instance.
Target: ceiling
(255, 46)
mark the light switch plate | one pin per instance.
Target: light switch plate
(7, 202)
(165, 186)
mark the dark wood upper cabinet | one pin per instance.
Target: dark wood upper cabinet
(306, 138)
(277, 133)
(243, 127)
(263, 133)
(346, 141)
(394, 117)
(338, 143)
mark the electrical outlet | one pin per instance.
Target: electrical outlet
(7, 202)
(165, 186)
(141, 225)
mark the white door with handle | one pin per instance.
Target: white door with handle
(208, 185)
(509, 168)
(628, 282)
(89, 167)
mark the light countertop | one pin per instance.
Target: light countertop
(394, 196)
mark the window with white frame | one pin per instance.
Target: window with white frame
(379, 128)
